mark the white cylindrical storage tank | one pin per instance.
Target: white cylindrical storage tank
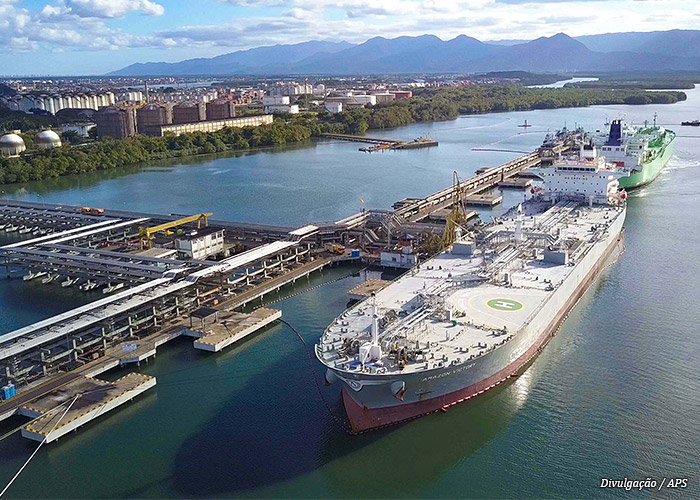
(47, 139)
(11, 145)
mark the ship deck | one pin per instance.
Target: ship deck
(472, 306)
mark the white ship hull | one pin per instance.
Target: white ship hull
(371, 401)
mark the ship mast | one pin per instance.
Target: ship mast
(375, 325)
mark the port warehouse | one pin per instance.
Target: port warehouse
(158, 293)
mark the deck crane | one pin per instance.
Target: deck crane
(457, 216)
(146, 233)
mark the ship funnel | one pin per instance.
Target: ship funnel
(615, 136)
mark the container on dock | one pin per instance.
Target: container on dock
(8, 391)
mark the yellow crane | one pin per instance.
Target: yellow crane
(457, 216)
(146, 233)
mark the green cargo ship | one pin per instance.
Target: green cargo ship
(641, 151)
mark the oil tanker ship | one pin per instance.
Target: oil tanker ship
(642, 151)
(476, 314)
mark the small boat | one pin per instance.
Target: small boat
(25, 230)
(2, 226)
(112, 288)
(31, 275)
(88, 285)
(693, 123)
(525, 125)
(11, 229)
(69, 282)
(49, 278)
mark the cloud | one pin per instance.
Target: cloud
(75, 24)
(72, 25)
(107, 9)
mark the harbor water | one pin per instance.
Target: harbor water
(615, 395)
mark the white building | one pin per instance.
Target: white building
(319, 90)
(283, 108)
(275, 100)
(82, 129)
(334, 106)
(291, 89)
(365, 99)
(200, 244)
(398, 259)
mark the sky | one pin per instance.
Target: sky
(92, 37)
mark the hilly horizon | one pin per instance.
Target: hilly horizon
(633, 51)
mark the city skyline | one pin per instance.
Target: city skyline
(93, 37)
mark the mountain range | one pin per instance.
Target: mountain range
(635, 51)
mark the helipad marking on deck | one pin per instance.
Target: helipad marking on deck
(504, 304)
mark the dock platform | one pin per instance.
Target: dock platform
(232, 327)
(440, 216)
(367, 288)
(516, 183)
(483, 200)
(95, 398)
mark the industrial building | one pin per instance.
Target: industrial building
(47, 139)
(200, 244)
(11, 144)
(56, 102)
(282, 108)
(211, 125)
(352, 101)
(290, 89)
(383, 97)
(116, 122)
(152, 115)
(188, 112)
(365, 99)
(220, 110)
(334, 106)
(82, 129)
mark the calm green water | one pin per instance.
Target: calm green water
(615, 395)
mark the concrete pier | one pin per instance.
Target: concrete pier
(59, 412)
(232, 327)
(516, 183)
(483, 200)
